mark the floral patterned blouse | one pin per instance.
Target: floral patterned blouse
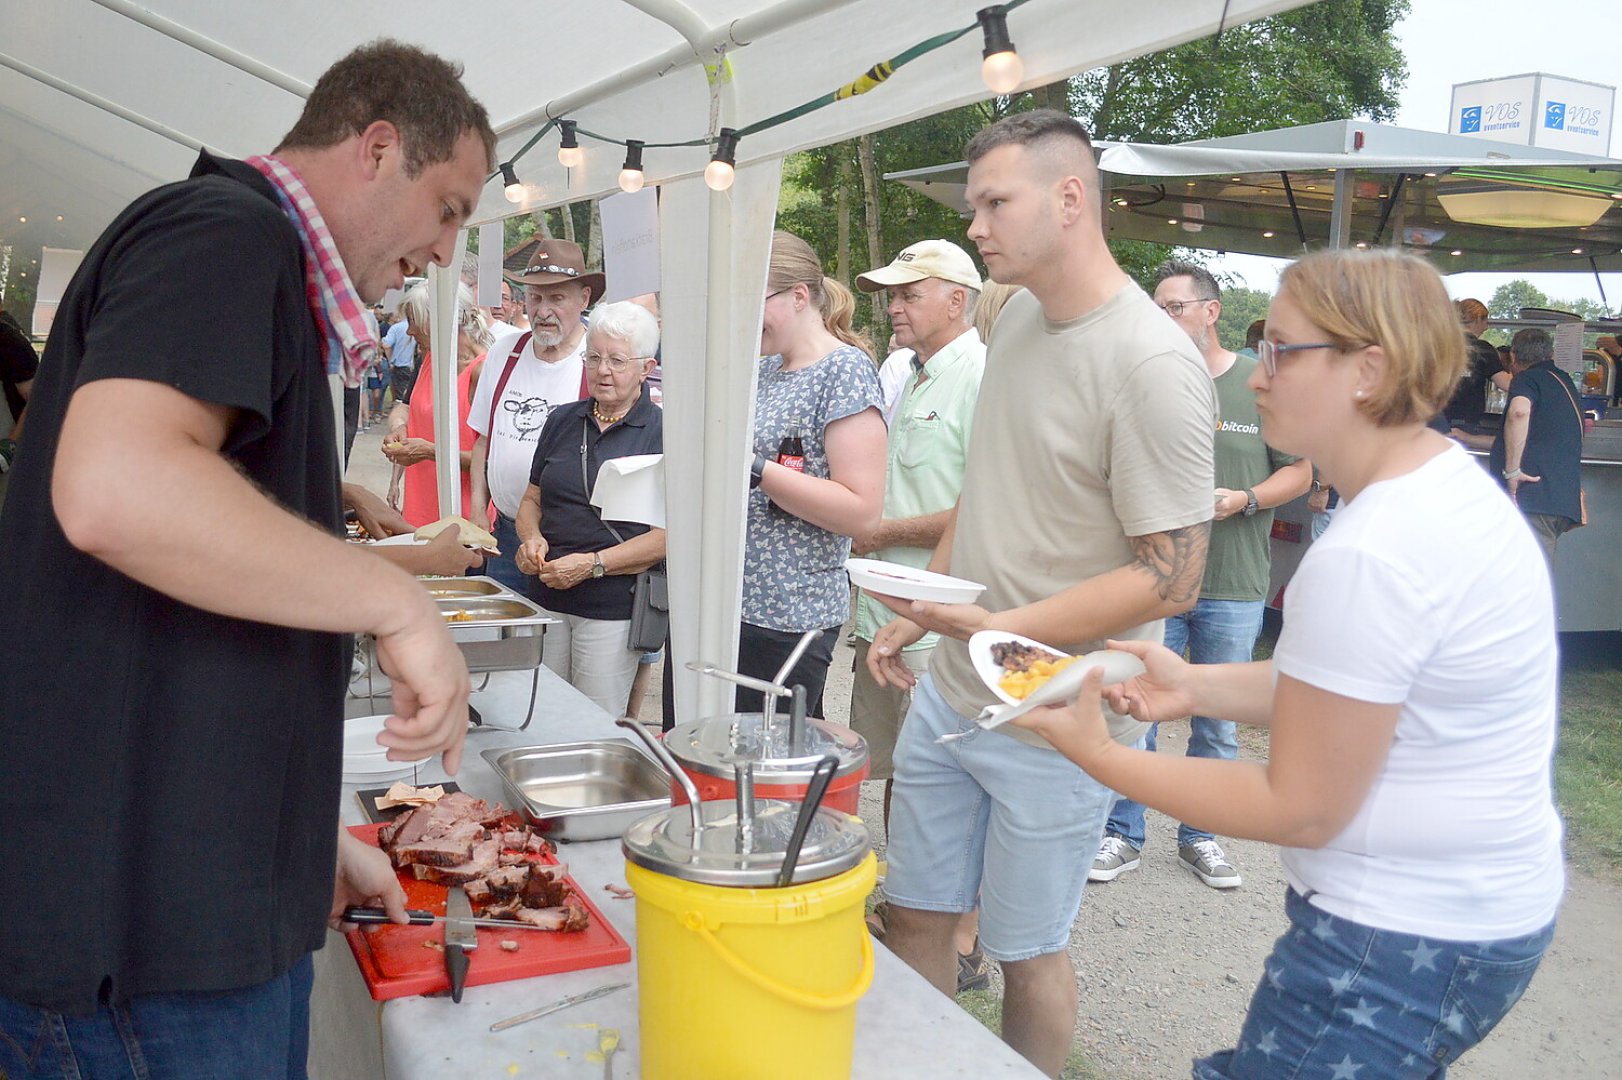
(793, 571)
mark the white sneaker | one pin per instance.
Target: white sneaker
(1115, 857)
(1206, 861)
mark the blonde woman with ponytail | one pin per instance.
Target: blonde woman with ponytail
(816, 380)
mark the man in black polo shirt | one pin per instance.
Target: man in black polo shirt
(1539, 452)
(171, 714)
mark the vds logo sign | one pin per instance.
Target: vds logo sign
(1554, 115)
(1470, 120)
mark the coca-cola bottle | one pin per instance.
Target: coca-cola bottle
(790, 455)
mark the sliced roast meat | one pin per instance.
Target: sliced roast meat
(478, 891)
(506, 881)
(482, 861)
(450, 849)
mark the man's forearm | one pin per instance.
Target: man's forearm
(1163, 579)
(941, 561)
(1290, 482)
(1515, 427)
(916, 532)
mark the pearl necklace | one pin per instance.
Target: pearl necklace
(601, 419)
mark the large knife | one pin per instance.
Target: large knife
(376, 916)
(461, 938)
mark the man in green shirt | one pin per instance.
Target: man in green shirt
(1252, 479)
(933, 288)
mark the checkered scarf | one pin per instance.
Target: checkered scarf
(352, 345)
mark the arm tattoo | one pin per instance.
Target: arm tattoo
(1175, 559)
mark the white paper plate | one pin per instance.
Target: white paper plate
(907, 583)
(365, 759)
(1118, 667)
(398, 539)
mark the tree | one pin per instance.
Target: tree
(1510, 297)
(1240, 308)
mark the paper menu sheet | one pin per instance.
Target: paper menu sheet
(632, 489)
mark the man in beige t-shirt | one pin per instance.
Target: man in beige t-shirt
(1085, 511)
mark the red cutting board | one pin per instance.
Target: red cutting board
(397, 962)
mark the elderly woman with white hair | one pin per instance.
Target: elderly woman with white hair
(586, 567)
(410, 442)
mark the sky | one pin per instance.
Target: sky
(1455, 41)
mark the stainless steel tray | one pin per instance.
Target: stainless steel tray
(503, 632)
(582, 790)
(453, 587)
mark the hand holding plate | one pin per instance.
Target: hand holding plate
(884, 661)
(1077, 730)
(1161, 693)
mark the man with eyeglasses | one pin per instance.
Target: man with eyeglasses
(529, 373)
(1251, 479)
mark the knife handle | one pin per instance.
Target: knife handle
(456, 968)
(378, 916)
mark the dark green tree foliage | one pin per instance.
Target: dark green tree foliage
(1240, 308)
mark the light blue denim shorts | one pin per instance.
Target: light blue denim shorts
(992, 821)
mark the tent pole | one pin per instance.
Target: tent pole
(1340, 218)
(189, 37)
(1295, 210)
(442, 288)
(102, 103)
(702, 46)
(1594, 265)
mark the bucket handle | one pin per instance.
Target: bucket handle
(694, 921)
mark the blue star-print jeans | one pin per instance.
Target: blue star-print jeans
(1342, 1001)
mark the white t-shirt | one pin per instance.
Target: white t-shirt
(533, 391)
(1430, 591)
(893, 379)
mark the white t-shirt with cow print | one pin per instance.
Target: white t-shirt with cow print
(533, 391)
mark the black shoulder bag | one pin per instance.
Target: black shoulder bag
(650, 600)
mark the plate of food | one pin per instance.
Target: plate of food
(365, 759)
(1027, 674)
(471, 535)
(893, 579)
(397, 540)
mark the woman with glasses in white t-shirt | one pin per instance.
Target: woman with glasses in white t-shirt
(1411, 702)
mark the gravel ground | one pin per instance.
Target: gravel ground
(1167, 965)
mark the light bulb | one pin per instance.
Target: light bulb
(718, 175)
(569, 153)
(512, 189)
(1003, 72)
(721, 171)
(631, 179)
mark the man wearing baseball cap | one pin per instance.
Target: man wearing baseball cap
(933, 286)
(529, 373)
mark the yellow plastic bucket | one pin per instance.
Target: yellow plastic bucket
(738, 984)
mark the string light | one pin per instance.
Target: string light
(1001, 67)
(631, 178)
(569, 152)
(511, 187)
(722, 169)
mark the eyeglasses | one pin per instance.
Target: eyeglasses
(1270, 352)
(1174, 308)
(779, 292)
(615, 364)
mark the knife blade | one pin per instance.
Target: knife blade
(376, 916)
(557, 1006)
(461, 938)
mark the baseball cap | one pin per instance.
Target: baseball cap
(925, 259)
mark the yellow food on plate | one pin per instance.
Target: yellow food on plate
(1020, 685)
(458, 615)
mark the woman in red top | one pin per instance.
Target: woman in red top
(410, 442)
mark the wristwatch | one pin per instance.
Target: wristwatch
(597, 567)
(1251, 505)
(1317, 485)
(757, 469)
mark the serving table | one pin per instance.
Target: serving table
(904, 1026)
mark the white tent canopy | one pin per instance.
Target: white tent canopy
(101, 100)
